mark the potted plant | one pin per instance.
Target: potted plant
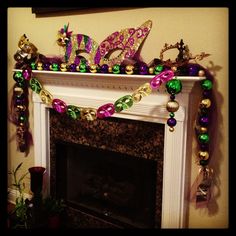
(54, 209)
(19, 217)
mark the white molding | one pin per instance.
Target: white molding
(93, 90)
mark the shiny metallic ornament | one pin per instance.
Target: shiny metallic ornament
(203, 130)
(151, 70)
(93, 68)
(63, 67)
(73, 112)
(39, 66)
(174, 68)
(205, 103)
(201, 73)
(172, 106)
(110, 69)
(171, 129)
(129, 69)
(203, 155)
(46, 97)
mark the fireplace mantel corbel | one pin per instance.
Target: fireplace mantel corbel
(94, 90)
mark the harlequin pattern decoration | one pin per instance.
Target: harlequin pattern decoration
(128, 40)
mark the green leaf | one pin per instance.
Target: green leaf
(18, 167)
(22, 177)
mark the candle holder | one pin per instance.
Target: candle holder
(36, 179)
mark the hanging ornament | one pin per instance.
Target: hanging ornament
(173, 87)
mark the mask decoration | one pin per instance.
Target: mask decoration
(26, 50)
(127, 40)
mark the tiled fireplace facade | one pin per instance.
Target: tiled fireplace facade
(140, 141)
(140, 132)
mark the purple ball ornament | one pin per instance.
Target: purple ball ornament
(193, 70)
(171, 122)
(204, 121)
(104, 68)
(59, 105)
(46, 66)
(72, 67)
(143, 69)
(27, 73)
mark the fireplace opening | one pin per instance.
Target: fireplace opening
(113, 186)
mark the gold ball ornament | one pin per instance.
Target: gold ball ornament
(201, 73)
(203, 155)
(172, 106)
(93, 68)
(203, 130)
(171, 129)
(129, 69)
(205, 103)
(110, 69)
(77, 68)
(63, 67)
(174, 68)
(39, 66)
(151, 70)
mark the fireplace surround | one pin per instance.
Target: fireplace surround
(93, 90)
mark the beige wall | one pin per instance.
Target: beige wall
(202, 29)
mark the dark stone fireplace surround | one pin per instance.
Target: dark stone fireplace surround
(139, 139)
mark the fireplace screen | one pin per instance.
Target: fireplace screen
(109, 184)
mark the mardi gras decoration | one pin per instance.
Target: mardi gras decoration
(127, 40)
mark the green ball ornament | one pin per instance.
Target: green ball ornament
(158, 69)
(206, 84)
(204, 138)
(33, 66)
(82, 67)
(116, 69)
(174, 86)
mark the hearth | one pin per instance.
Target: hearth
(108, 171)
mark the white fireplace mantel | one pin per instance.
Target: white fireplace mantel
(94, 90)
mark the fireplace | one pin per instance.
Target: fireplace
(94, 90)
(111, 169)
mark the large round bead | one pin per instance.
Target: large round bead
(73, 112)
(203, 138)
(151, 70)
(59, 105)
(193, 70)
(89, 114)
(72, 67)
(171, 122)
(63, 67)
(45, 96)
(18, 77)
(105, 110)
(143, 69)
(204, 121)
(54, 67)
(116, 69)
(123, 103)
(172, 106)
(35, 85)
(203, 155)
(39, 66)
(93, 68)
(174, 86)
(158, 69)
(205, 103)
(206, 84)
(129, 69)
(104, 68)
(82, 67)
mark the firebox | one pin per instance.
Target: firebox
(114, 186)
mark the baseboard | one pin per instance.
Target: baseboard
(13, 193)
